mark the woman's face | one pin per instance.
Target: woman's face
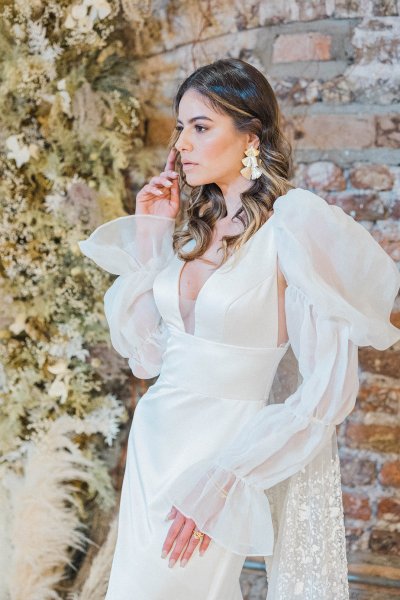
(210, 141)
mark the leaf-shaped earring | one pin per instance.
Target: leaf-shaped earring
(252, 168)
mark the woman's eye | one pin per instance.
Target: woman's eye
(179, 128)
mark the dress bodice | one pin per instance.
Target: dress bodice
(237, 304)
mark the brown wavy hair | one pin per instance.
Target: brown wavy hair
(234, 87)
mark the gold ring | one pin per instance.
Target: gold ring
(197, 534)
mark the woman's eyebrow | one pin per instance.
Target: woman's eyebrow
(195, 119)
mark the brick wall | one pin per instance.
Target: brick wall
(335, 68)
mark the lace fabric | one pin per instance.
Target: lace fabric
(311, 533)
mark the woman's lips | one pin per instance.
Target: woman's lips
(189, 165)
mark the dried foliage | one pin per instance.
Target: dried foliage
(69, 132)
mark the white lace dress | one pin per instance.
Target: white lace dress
(217, 435)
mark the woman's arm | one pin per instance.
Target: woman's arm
(340, 289)
(136, 248)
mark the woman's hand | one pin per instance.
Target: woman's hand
(181, 530)
(161, 195)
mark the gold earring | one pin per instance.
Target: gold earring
(253, 169)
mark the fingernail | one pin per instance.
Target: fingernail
(164, 554)
(171, 562)
(184, 562)
(168, 183)
(167, 518)
(201, 552)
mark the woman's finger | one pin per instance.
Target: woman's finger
(193, 542)
(173, 533)
(205, 542)
(183, 540)
(171, 514)
(160, 181)
(152, 189)
(171, 158)
(175, 197)
(171, 174)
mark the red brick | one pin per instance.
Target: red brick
(381, 438)
(373, 177)
(377, 40)
(356, 472)
(360, 205)
(353, 537)
(383, 9)
(394, 210)
(382, 363)
(356, 507)
(379, 397)
(336, 90)
(297, 90)
(276, 11)
(390, 473)
(325, 175)
(389, 509)
(385, 542)
(290, 47)
(326, 132)
(388, 131)
(387, 234)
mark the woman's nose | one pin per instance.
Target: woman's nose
(183, 143)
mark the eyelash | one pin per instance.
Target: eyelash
(201, 127)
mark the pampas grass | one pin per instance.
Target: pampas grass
(45, 524)
(5, 542)
(95, 586)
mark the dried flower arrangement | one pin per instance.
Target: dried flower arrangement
(69, 128)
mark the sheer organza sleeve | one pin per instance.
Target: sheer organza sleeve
(136, 248)
(341, 289)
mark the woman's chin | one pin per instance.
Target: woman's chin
(195, 181)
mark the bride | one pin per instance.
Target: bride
(222, 462)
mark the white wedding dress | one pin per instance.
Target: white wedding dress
(257, 471)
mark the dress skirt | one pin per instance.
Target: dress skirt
(183, 418)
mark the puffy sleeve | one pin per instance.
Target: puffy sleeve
(340, 293)
(136, 248)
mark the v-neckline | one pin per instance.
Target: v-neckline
(210, 277)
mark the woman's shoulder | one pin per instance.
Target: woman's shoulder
(309, 215)
(337, 264)
(298, 199)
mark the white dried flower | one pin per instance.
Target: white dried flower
(83, 16)
(59, 388)
(19, 324)
(18, 150)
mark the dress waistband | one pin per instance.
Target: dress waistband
(217, 369)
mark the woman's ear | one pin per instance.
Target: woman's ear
(253, 140)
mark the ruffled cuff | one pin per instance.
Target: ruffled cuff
(226, 497)
(233, 513)
(130, 243)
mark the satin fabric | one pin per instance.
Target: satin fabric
(205, 391)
